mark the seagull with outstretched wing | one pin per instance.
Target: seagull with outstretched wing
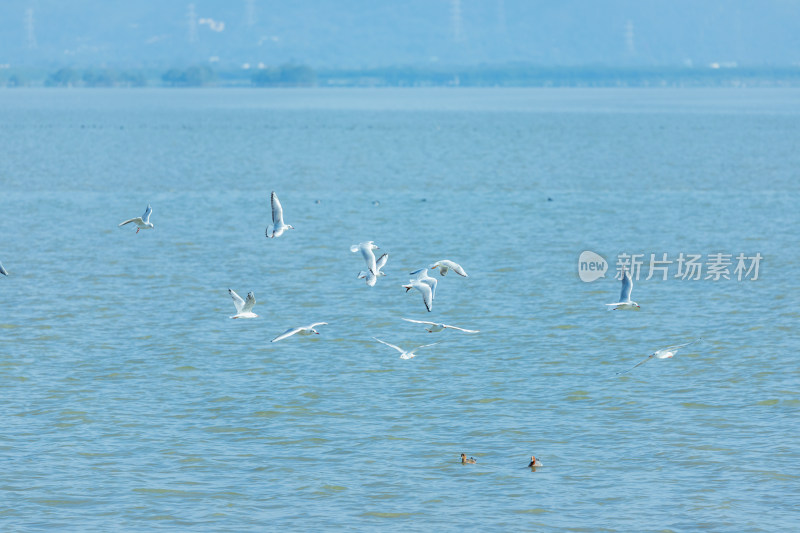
(244, 308)
(436, 326)
(142, 222)
(625, 302)
(404, 354)
(303, 330)
(663, 353)
(445, 265)
(277, 227)
(372, 278)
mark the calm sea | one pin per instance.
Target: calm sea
(130, 401)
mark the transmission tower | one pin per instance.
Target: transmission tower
(455, 20)
(501, 16)
(30, 35)
(250, 13)
(191, 21)
(630, 44)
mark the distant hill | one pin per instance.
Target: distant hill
(376, 33)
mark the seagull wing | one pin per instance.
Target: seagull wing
(146, 216)
(638, 364)
(249, 303)
(137, 220)
(458, 269)
(427, 294)
(288, 333)
(369, 258)
(423, 346)
(402, 351)
(461, 329)
(627, 287)
(277, 210)
(681, 345)
(381, 261)
(315, 324)
(423, 322)
(3, 271)
(237, 300)
(431, 282)
(419, 274)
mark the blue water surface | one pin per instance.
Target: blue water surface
(130, 401)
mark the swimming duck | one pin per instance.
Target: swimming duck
(465, 461)
(534, 462)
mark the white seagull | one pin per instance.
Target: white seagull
(422, 275)
(366, 248)
(142, 222)
(403, 353)
(277, 227)
(3, 271)
(244, 309)
(304, 330)
(663, 353)
(372, 279)
(425, 285)
(446, 265)
(436, 326)
(625, 302)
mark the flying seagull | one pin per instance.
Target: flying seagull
(625, 302)
(403, 353)
(244, 308)
(304, 330)
(663, 353)
(422, 275)
(424, 289)
(366, 248)
(372, 278)
(436, 326)
(425, 284)
(277, 227)
(445, 265)
(142, 222)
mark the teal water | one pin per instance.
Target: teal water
(130, 400)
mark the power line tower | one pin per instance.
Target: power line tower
(30, 34)
(630, 43)
(191, 21)
(501, 16)
(250, 13)
(455, 21)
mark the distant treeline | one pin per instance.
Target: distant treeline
(296, 75)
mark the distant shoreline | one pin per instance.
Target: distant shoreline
(508, 76)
